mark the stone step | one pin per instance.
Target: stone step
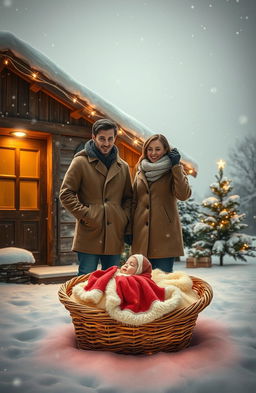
(52, 274)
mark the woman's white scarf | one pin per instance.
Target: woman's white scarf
(154, 170)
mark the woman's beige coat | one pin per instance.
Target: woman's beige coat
(100, 199)
(156, 224)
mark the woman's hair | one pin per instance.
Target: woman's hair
(156, 137)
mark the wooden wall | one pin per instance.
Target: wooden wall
(64, 151)
(18, 100)
(42, 113)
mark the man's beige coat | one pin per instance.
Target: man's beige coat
(100, 200)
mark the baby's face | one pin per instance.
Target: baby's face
(130, 266)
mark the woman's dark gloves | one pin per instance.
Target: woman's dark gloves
(128, 239)
(174, 156)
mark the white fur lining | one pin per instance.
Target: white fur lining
(157, 309)
(93, 296)
(180, 280)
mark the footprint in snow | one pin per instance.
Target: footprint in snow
(29, 335)
(20, 302)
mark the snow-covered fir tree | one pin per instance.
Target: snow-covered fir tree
(219, 232)
(189, 212)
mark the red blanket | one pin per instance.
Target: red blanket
(136, 292)
(132, 299)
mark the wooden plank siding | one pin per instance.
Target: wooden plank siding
(67, 148)
(44, 117)
(18, 100)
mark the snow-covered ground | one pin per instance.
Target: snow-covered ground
(38, 352)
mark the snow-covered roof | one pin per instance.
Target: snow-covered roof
(41, 63)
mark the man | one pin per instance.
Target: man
(97, 190)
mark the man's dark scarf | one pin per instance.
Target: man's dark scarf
(106, 159)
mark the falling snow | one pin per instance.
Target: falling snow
(7, 3)
(213, 90)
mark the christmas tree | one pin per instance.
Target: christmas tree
(219, 230)
(189, 212)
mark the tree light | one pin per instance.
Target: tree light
(221, 164)
(6, 61)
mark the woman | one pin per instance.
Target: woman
(159, 182)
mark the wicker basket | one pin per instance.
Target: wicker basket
(95, 329)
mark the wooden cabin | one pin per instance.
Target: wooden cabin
(45, 118)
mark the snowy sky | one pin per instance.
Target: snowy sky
(185, 68)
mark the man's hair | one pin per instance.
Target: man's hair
(103, 124)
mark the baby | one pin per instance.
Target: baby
(136, 264)
(92, 291)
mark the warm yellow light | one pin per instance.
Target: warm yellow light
(221, 164)
(120, 131)
(190, 171)
(135, 142)
(34, 75)
(6, 62)
(93, 113)
(74, 99)
(20, 134)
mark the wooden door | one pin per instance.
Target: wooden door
(23, 196)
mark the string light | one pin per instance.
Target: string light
(34, 75)
(26, 71)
